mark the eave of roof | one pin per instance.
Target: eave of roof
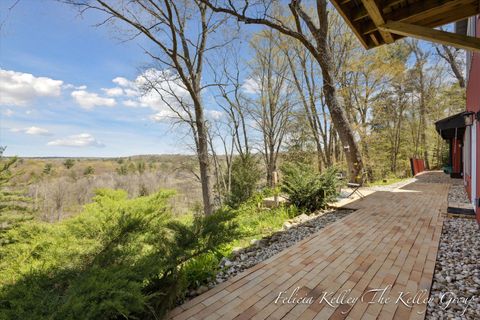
(452, 126)
(370, 19)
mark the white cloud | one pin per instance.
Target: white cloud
(89, 100)
(19, 89)
(169, 93)
(78, 140)
(34, 131)
(8, 112)
(122, 82)
(251, 86)
(131, 92)
(131, 103)
(69, 86)
(213, 114)
(164, 115)
(113, 92)
(37, 131)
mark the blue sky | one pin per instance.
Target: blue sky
(55, 72)
(68, 88)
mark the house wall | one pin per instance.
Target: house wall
(473, 104)
(456, 151)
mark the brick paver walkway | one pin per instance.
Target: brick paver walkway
(389, 243)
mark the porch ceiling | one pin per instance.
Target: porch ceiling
(453, 126)
(376, 22)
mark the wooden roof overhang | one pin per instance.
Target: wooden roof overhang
(453, 126)
(377, 22)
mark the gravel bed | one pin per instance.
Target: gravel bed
(457, 194)
(457, 272)
(435, 177)
(293, 231)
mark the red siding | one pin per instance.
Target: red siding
(473, 104)
(468, 186)
(456, 155)
(473, 85)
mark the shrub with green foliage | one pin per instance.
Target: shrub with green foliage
(69, 163)
(245, 176)
(306, 188)
(47, 169)
(120, 258)
(141, 167)
(89, 171)
(14, 205)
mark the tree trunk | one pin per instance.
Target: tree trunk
(321, 52)
(340, 121)
(337, 112)
(320, 159)
(271, 165)
(449, 56)
(423, 126)
(202, 152)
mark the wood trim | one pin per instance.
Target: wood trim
(431, 16)
(346, 18)
(377, 18)
(425, 33)
(427, 9)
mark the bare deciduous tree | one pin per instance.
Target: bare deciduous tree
(424, 84)
(179, 31)
(451, 56)
(271, 108)
(305, 77)
(311, 29)
(233, 102)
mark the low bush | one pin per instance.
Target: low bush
(246, 174)
(255, 221)
(306, 188)
(202, 270)
(120, 258)
(123, 257)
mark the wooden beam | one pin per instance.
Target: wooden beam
(340, 9)
(429, 13)
(359, 15)
(374, 39)
(433, 35)
(377, 18)
(456, 14)
(427, 9)
(390, 3)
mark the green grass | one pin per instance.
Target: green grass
(386, 182)
(254, 221)
(257, 223)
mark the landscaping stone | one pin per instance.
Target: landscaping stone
(457, 194)
(457, 271)
(437, 177)
(236, 251)
(287, 225)
(201, 290)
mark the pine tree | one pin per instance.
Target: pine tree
(13, 203)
